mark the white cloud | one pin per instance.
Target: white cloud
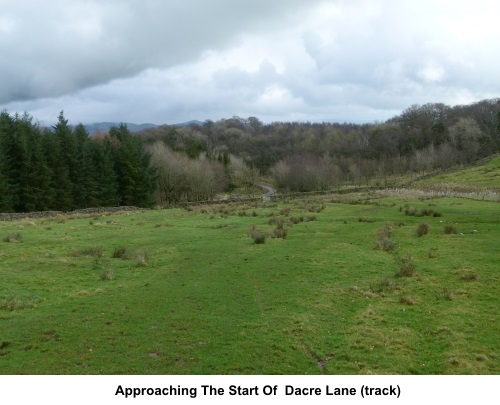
(146, 60)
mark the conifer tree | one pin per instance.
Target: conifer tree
(34, 191)
(136, 177)
(5, 189)
(65, 169)
(106, 183)
(85, 176)
(60, 184)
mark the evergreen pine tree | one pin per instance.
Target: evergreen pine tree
(66, 164)
(136, 177)
(60, 184)
(85, 176)
(5, 189)
(106, 184)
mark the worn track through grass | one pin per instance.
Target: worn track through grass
(194, 295)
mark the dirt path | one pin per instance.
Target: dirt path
(269, 191)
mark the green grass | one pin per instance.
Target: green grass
(485, 175)
(125, 294)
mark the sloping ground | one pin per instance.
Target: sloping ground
(485, 175)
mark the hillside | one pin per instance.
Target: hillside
(356, 284)
(481, 176)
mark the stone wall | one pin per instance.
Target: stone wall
(14, 216)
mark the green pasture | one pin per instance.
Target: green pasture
(189, 292)
(485, 175)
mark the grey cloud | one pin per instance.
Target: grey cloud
(171, 61)
(54, 48)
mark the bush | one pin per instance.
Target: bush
(276, 221)
(121, 253)
(447, 294)
(423, 229)
(384, 241)
(468, 275)
(13, 303)
(285, 211)
(279, 232)
(92, 251)
(450, 229)
(142, 259)
(411, 211)
(382, 285)
(407, 268)
(13, 237)
(363, 219)
(107, 275)
(407, 300)
(257, 236)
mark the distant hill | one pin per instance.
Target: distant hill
(188, 123)
(105, 126)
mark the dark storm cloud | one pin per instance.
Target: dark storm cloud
(172, 61)
(53, 48)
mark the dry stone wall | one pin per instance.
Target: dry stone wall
(14, 216)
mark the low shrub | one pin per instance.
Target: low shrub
(13, 303)
(285, 211)
(296, 220)
(276, 221)
(91, 251)
(142, 259)
(384, 284)
(13, 237)
(467, 275)
(121, 253)
(257, 236)
(384, 241)
(432, 253)
(411, 211)
(450, 229)
(407, 300)
(363, 219)
(423, 229)
(279, 232)
(407, 268)
(107, 275)
(447, 294)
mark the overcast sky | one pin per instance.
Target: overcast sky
(169, 61)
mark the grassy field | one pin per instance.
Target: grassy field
(346, 286)
(485, 175)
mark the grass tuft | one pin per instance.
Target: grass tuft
(258, 237)
(423, 229)
(13, 237)
(447, 294)
(142, 259)
(407, 300)
(14, 303)
(91, 251)
(384, 241)
(407, 268)
(450, 229)
(121, 253)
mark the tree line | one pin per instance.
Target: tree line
(302, 156)
(63, 168)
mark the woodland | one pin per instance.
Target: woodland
(64, 167)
